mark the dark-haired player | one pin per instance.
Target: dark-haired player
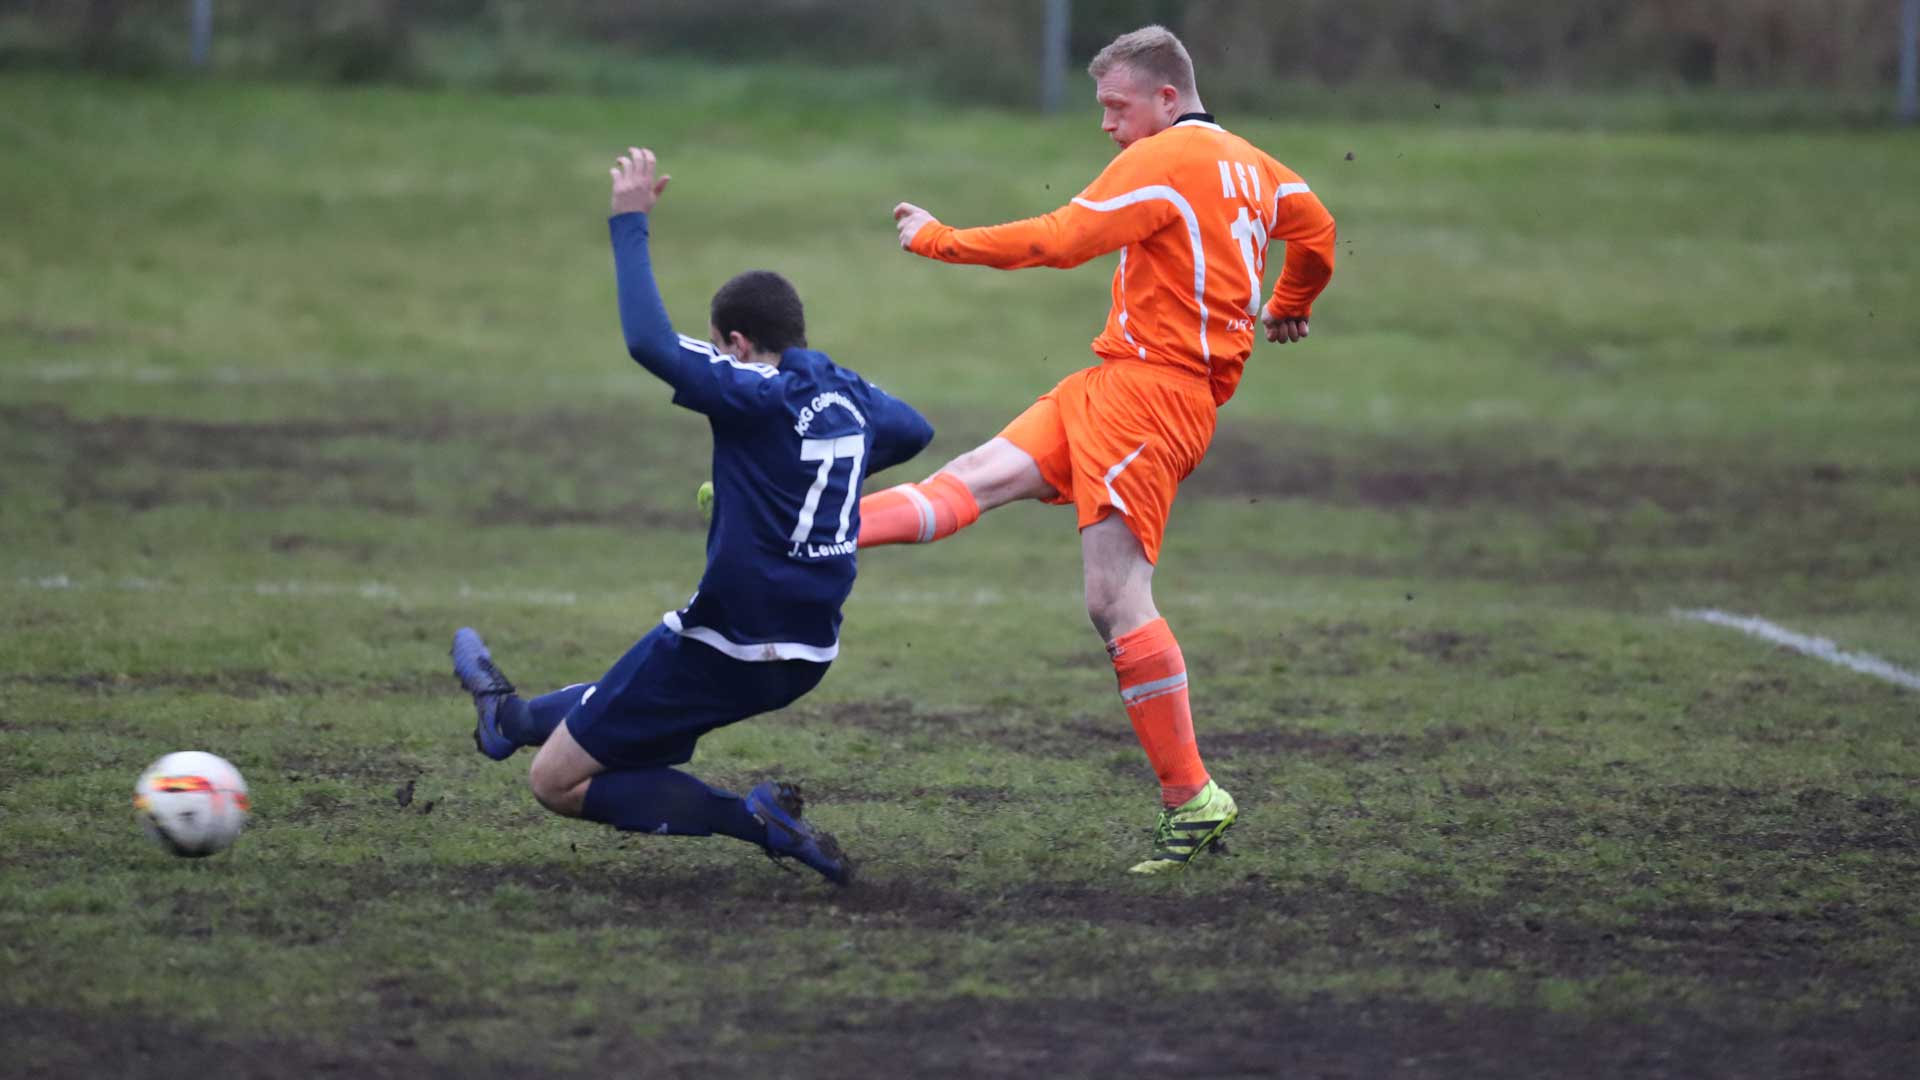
(793, 437)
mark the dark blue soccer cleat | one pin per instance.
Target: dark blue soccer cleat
(473, 666)
(778, 807)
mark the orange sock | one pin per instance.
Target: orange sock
(933, 509)
(1153, 686)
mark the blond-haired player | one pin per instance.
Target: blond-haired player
(1191, 208)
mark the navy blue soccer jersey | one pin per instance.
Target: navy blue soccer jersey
(791, 447)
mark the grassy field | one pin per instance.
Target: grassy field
(294, 382)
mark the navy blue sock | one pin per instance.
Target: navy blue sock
(530, 722)
(669, 802)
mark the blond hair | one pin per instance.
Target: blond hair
(1151, 51)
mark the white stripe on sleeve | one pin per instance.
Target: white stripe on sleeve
(1154, 192)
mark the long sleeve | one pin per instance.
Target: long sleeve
(703, 379)
(643, 315)
(1308, 229)
(1125, 204)
(899, 431)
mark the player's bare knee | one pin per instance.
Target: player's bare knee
(1104, 608)
(997, 472)
(973, 468)
(552, 790)
(1118, 605)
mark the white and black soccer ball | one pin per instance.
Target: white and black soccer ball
(192, 803)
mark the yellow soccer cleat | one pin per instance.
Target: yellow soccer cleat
(1189, 829)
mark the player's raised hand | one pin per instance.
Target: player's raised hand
(910, 219)
(1284, 330)
(636, 182)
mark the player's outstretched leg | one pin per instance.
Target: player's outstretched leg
(779, 806)
(992, 474)
(669, 802)
(933, 509)
(504, 721)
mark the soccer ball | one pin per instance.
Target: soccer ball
(192, 803)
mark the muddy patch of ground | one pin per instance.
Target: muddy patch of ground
(1394, 474)
(1606, 524)
(516, 508)
(141, 463)
(1820, 823)
(1447, 646)
(1081, 736)
(359, 551)
(1236, 919)
(1049, 1031)
(372, 765)
(67, 1042)
(1246, 1035)
(56, 333)
(238, 683)
(1280, 741)
(971, 796)
(1073, 736)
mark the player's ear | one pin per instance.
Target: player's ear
(739, 345)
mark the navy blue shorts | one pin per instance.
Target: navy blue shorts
(653, 706)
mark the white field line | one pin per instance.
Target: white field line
(1817, 647)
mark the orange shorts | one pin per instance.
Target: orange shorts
(1120, 436)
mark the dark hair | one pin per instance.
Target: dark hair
(763, 306)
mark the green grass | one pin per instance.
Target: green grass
(293, 382)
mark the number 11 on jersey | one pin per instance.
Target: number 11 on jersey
(1247, 228)
(1252, 234)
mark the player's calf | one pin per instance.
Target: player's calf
(921, 513)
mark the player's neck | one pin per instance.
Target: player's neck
(755, 356)
(1186, 109)
(1190, 108)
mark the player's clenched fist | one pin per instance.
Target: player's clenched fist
(909, 219)
(1284, 330)
(636, 183)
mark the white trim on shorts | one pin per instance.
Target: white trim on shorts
(754, 652)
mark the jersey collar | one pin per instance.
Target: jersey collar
(1198, 119)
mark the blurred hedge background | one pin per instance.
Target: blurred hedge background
(1250, 51)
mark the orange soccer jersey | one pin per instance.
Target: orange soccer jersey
(1191, 210)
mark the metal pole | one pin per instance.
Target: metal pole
(1909, 106)
(1053, 55)
(200, 20)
